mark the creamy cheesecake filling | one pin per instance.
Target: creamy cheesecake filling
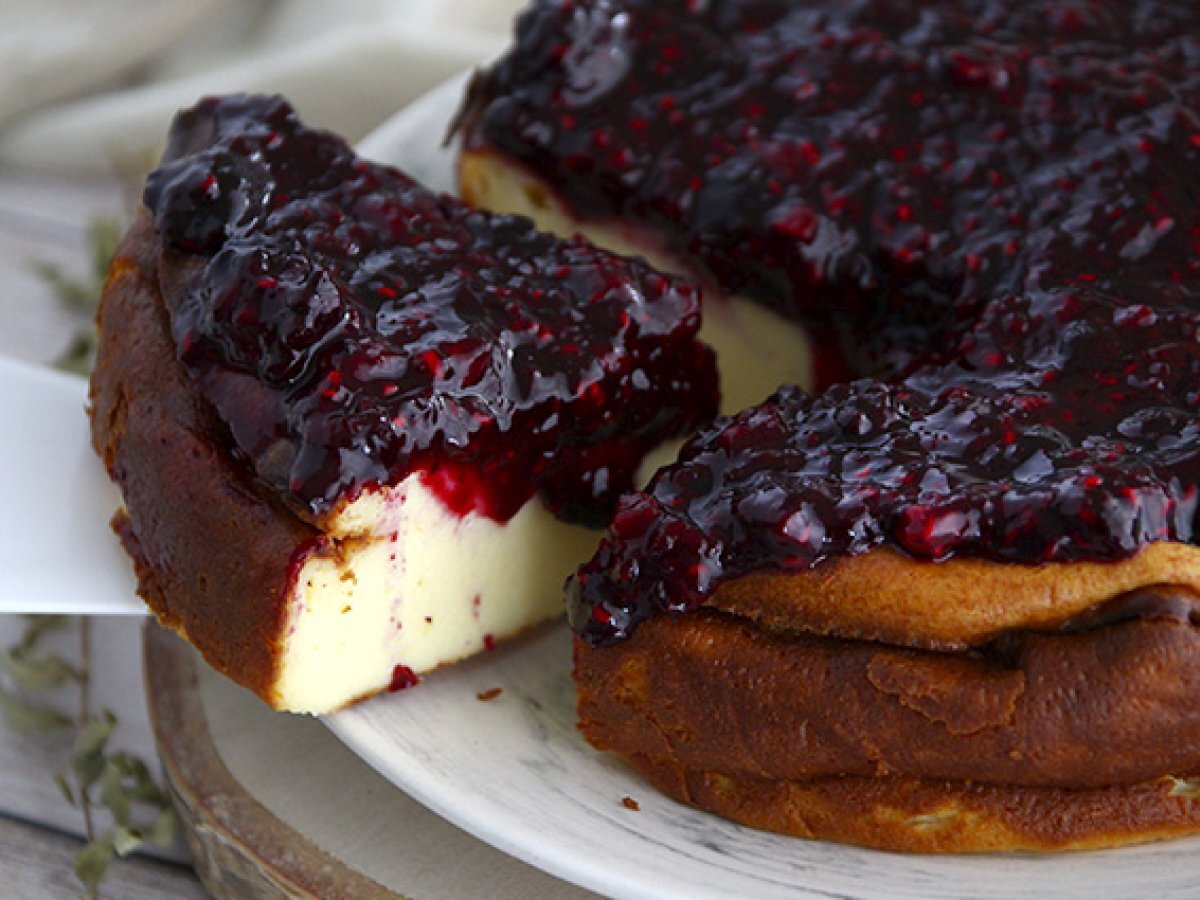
(757, 349)
(410, 586)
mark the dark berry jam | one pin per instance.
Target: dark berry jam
(997, 201)
(1068, 429)
(893, 164)
(351, 327)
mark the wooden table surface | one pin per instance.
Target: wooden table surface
(43, 219)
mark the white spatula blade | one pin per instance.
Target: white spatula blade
(57, 553)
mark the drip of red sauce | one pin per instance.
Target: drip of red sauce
(403, 677)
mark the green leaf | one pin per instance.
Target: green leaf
(162, 832)
(72, 293)
(125, 839)
(140, 785)
(38, 626)
(35, 670)
(91, 863)
(80, 355)
(88, 769)
(82, 295)
(88, 758)
(104, 234)
(24, 717)
(125, 781)
(114, 795)
(94, 734)
(64, 788)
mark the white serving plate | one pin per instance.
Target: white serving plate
(515, 773)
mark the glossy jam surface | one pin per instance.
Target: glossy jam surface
(1069, 429)
(893, 164)
(997, 200)
(351, 327)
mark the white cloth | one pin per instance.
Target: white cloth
(346, 66)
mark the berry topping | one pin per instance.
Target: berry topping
(995, 201)
(352, 328)
(1069, 429)
(893, 164)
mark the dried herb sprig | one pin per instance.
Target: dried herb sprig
(124, 787)
(82, 295)
(120, 782)
(27, 667)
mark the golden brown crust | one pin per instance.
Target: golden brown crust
(185, 499)
(953, 604)
(923, 816)
(1048, 725)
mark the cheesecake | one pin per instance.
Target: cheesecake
(361, 429)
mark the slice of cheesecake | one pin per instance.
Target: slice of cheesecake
(361, 429)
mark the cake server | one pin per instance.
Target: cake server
(57, 553)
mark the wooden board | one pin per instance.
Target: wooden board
(273, 805)
(36, 863)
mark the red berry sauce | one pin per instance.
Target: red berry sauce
(351, 327)
(890, 164)
(999, 202)
(1068, 429)
(403, 677)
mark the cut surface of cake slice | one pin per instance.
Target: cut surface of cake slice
(363, 430)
